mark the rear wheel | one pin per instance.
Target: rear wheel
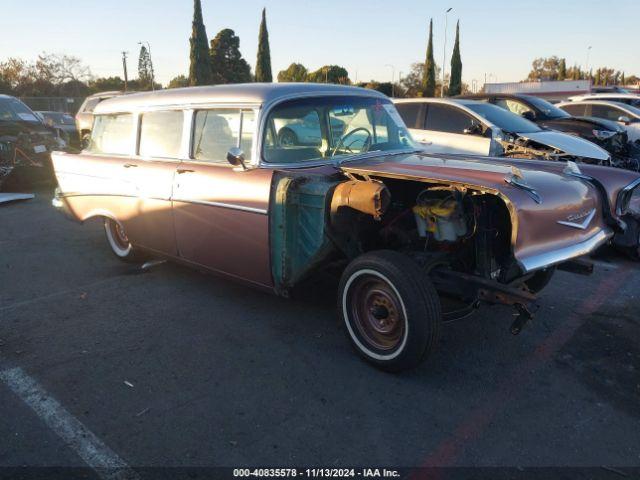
(390, 309)
(119, 242)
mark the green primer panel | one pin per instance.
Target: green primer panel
(299, 216)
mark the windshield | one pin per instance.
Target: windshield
(338, 126)
(507, 121)
(13, 110)
(548, 108)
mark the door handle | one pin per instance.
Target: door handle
(180, 171)
(129, 165)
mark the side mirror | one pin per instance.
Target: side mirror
(624, 119)
(529, 115)
(235, 156)
(474, 129)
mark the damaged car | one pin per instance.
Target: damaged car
(472, 127)
(25, 145)
(416, 240)
(605, 133)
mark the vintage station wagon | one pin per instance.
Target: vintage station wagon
(271, 183)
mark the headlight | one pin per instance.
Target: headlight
(629, 199)
(603, 134)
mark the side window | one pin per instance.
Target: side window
(412, 114)
(161, 134)
(443, 118)
(512, 105)
(216, 131)
(112, 134)
(605, 111)
(577, 110)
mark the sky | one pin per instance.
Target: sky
(372, 39)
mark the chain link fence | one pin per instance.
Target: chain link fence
(54, 104)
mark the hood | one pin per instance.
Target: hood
(569, 144)
(553, 216)
(592, 122)
(603, 124)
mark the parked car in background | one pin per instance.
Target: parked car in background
(64, 123)
(84, 117)
(25, 145)
(625, 115)
(169, 178)
(473, 127)
(627, 98)
(605, 133)
(610, 89)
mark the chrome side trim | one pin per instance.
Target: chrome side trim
(582, 225)
(623, 193)
(231, 206)
(548, 259)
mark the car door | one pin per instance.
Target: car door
(152, 171)
(221, 212)
(445, 127)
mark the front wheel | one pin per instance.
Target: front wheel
(390, 309)
(119, 242)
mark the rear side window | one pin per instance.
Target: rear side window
(575, 110)
(161, 134)
(216, 131)
(412, 114)
(112, 134)
(605, 111)
(442, 118)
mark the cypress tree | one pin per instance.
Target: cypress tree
(455, 84)
(562, 70)
(429, 75)
(200, 67)
(263, 65)
(145, 77)
(227, 63)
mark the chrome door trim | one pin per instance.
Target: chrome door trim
(231, 206)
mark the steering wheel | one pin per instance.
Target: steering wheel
(342, 140)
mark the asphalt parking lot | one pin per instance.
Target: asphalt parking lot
(176, 368)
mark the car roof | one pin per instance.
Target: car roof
(446, 101)
(607, 95)
(595, 101)
(242, 93)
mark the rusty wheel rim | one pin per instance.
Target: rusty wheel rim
(119, 236)
(377, 313)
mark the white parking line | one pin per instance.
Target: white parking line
(106, 463)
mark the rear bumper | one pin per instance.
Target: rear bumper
(548, 259)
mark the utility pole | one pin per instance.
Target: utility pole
(124, 66)
(444, 51)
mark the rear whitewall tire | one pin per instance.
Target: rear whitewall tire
(119, 243)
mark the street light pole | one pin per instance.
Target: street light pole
(444, 50)
(153, 80)
(393, 78)
(588, 54)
